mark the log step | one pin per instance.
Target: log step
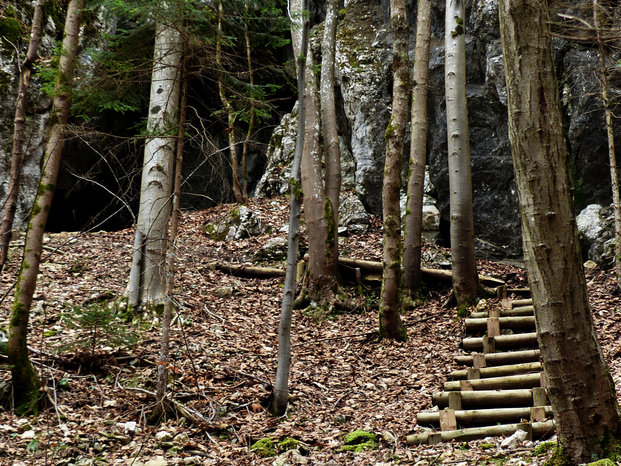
(500, 371)
(522, 302)
(487, 398)
(500, 359)
(494, 383)
(513, 312)
(481, 416)
(513, 322)
(502, 341)
(539, 430)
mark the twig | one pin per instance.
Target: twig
(214, 315)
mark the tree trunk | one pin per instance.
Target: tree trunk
(321, 280)
(19, 128)
(162, 368)
(610, 131)
(579, 385)
(418, 152)
(25, 382)
(252, 119)
(299, 34)
(465, 281)
(159, 155)
(230, 113)
(390, 325)
(329, 128)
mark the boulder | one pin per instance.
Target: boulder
(353, 218)
(275, 249)
(240, 222)
(596, 226)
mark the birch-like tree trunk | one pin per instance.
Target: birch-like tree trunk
(390, 325)
(329, 130)
(299, 33)
(418, 152)
(230, 112)
(162, 367)
(149, 274)
(25, 381)
(19, 128)
(465, 277)
(610, 132)
(579, 385)
(252, 110)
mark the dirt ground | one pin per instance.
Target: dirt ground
(224, 345)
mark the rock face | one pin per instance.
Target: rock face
(37, 111)
(596, 226)
(364, 77)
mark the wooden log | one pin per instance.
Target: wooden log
(522, 302)
(500, 371)
(494, 312)
(501, 292)
(429, 275)
(478, 360)
(464, 386)
(516, 311)
(500, 359)
(502, 341)
(540, 430)
(453, 400)
(484, 416)
(506, 303)
(489, 344)
(249, 271)
(487, 398)
(472, 373)
(492, 383)
(540, 397)
(517, 322)
(518, 291)
(539, 414)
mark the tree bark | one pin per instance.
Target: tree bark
(321, 282)
(25, 381)
(252, 119)
(329, 129)
(157, 170)
(230, 113)
(390, 325)
(610, 132)
(465, 278)
(579, 385)
(299, 34)
(418, 152)
(164, 359)
(19, 128)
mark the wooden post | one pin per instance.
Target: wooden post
(300, 271)
(494, 312)
(537, 414)
(448, 421)
(434, 438)
(465, 386)
(478, 360)
(539, 396)
(473, 373)
(493, 326)
(528, 427)
(506, 304)
(501, 291)
(489, 344)
(358, 274)
(454, 401)
(544, 379)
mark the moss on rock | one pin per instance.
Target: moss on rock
(359, 440)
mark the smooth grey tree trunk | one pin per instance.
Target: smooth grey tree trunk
(19, 128)
(579, 385)
(157, 169)
(465, 277)
(25, 381)
(418, 152)
(299, 33)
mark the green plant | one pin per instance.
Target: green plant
(359, 440)
(462, 311)
(97, 325)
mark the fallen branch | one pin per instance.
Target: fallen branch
(249, 271)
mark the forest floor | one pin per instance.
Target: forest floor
(224, 345)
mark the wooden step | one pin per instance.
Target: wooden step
(513, 322)
(513, 312)
(522, 302)
(538, 430)
(519, 340)
(500, 371)
(481, 416)
(494, 383)
(486, 398)
(499, 359)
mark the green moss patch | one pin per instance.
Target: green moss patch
(264, 447)
(359, 440)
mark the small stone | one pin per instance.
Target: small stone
(98, 447)
(589, 265)
(223, 292)
(163, 436)
(159, 461)
(190, 460)
(109, 403)
(129, 427)
(181, 439)
(29, 434)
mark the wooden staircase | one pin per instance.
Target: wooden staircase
(503, 389)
